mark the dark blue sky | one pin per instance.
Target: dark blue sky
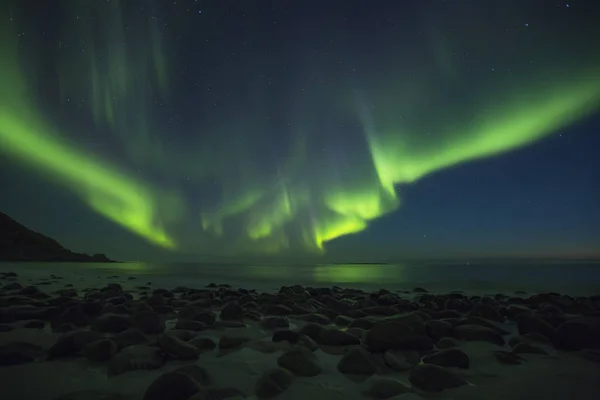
(275, 129)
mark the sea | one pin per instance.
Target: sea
(576, 277)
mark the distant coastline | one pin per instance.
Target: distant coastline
(21, 244)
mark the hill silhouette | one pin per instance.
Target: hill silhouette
(19, 243)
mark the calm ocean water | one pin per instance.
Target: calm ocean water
(576, 277)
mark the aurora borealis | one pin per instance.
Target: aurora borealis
(268, 127)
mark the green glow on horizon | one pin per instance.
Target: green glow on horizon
(307, 201)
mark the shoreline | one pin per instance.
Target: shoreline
(123, 337)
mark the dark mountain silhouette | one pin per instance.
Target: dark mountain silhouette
(19, 243)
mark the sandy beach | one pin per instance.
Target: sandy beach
(109, 337)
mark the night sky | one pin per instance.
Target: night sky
(314, 129)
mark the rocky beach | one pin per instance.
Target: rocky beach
(114, 337)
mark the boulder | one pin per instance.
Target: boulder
(232, 311)
(273, 383)
(357, 361)
(528, 348)
(100, 350)
(172, 386)
(448, 358)
(15, 353)
(401, 360)
(176, 348)
(387, 335)
(579, 333)
(385, 388)
(433, 378)
(335, 337)
(301, 361)
(478, 333)
(529, 323)
(136, 357)
(70, 344)
(112, 323)
(148, 322)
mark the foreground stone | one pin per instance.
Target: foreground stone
(401, 360)
(301, 361)
(172, 386)
(177, 349)
(579, 333)
(16, 353)
(136, 357)
(71, 344)
(448, 358)
(433, 378)
(100, 350)
(385, 388)
(357, 361)
(273, 383)
(478, 333)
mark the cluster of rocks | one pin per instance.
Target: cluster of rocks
(375, 333)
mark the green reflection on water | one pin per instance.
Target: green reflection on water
(357, 273)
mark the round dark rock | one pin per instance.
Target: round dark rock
(176, 348)
(528, 348)
(447, 343)
(433, 378)
(316, 318)
(189, 325)
(401, 360)
(437, 329)
(34, 324)
(227, 342)
(207, 317)
(363, 323)
(385, 388)
(200, 375)
(273, 383)
(278, 309)
(148, 322)
(507, 357)
(184, 334)
(579, 333)
(274, 322)
(203, 343)
(100, 350)
(308, 343)
(488, 312)
(15, 353)
(478, 333)
(357, 361)
(286, 335)
(342, 320)
(232, 311)
(311, 330)
(387, 335)
(111, 323)
(335, 337)
(75, 315)
(301, 361)
(129, 337)
(448, 358)
(70, 344)
(172, 386)
(529, 323)
(136, 357)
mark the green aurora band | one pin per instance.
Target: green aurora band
(283, 209)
